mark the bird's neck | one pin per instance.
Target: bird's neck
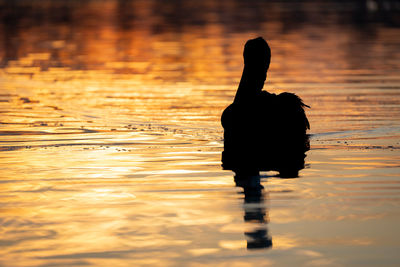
(250, 86)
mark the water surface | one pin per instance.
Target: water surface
(111, 142)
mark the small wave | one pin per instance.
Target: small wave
(357, 134)
(63, 131)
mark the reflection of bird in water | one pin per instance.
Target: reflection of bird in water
(263, 131)
(255, 211)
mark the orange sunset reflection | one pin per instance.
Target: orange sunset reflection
(110, 148)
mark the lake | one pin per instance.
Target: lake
(111, 139)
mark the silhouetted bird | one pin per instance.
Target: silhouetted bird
(263, 131)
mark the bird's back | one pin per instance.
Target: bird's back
(264, 132)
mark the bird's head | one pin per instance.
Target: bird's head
(257, 57)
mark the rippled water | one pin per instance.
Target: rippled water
(111, 142)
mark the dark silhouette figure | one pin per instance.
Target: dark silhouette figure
(263, 131)
(254, 211)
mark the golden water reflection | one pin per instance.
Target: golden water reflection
(110, 136)
(107, 208)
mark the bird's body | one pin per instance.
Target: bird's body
(266, 134)
(263, 131)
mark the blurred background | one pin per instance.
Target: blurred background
(179, 62)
